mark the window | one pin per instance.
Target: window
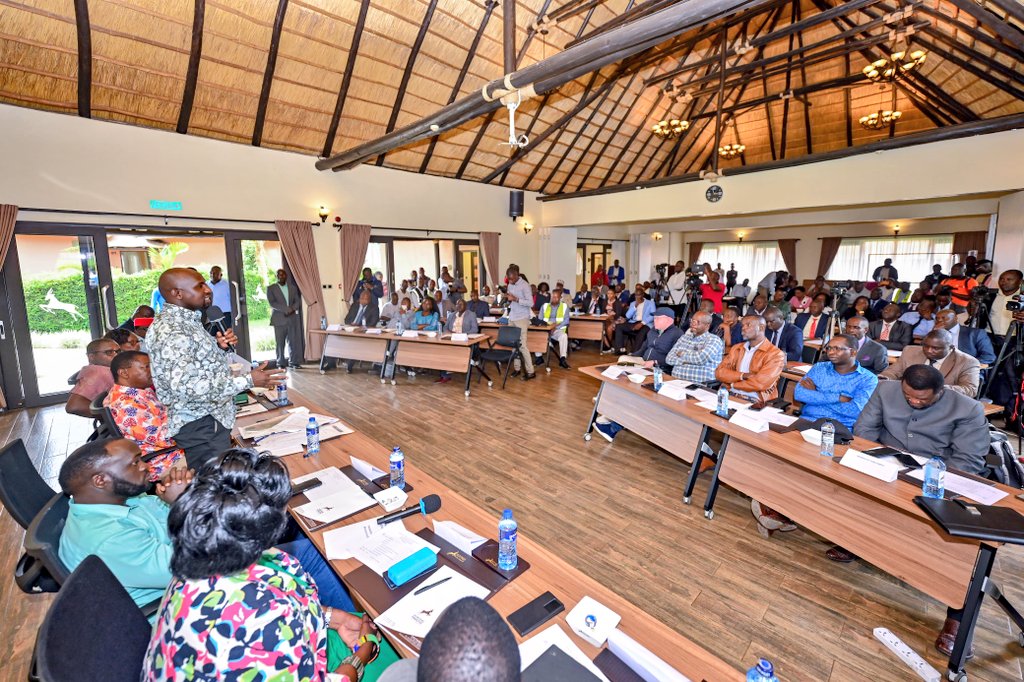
(753, 260)
(913, 257)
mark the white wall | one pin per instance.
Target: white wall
(1009, 249)
(65, 162)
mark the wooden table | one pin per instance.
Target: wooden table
(877, 521)
(547, 571)
(589, 328)
(353, 345)
(537, 338)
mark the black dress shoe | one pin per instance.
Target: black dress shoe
(295, 366)
(515, 373)
(527, 377)
(564, 363)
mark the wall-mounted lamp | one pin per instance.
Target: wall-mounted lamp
(527, 227)
(324, 212)
(657, 236)
(740, 235)
(896, 230)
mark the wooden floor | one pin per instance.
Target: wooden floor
(614, 512)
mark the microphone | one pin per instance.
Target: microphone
(427, 505)
(215, 316)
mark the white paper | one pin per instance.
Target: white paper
(751, 421)
(383, 550)
(802, 369)
(781, 419)
(613, 371)
(430, 334)
(341, 543)
(812, 436)
(332, 482)
(334, 327)
(702, 394)
(366, 469)
(391, 498)
(414, 614)
(712, 404)
(961, 485)
(674, 390)
(488, 319)
(895, 353)
(374, 330)
(410, 334)
(284, 444)
(872, 466)
(641, 660)
(638, 370)
(604, 620)
(460, 337)
(349, 328)
(336, 506)
(464, 539)
(250, 409)
(531, 649)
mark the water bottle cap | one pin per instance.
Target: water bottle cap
(764, 666)
(312, 420)
(507, 514)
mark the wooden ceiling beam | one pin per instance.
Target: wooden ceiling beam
(973, 32)
(615, 131)
(268, 74)
(346, 79)
(488, 11)
(629, 143)
(84, 58)
(803, 80)
(975, 56)
(195, 55)
(403, 85)
(971, 68)
(508, 35)
(993, 22)
(1012, 8)
(768, 116)
(789, 88)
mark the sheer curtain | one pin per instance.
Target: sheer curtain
(913, 257)
(753, 260)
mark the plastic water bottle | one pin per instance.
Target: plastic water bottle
(762, 672)
(323, 322)
(399, 327)
(828, 439)
(723, 402)
(312, 438)
(934, 478)
(282, 394)
(396, 467)
(657, 377)
(508, 531)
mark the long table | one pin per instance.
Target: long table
(589, 328)
(877, 521)
(547, 570)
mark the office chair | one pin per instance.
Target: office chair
(510, 338)
(44, 570)
(100, 428)
(93, 630)
(22, 490)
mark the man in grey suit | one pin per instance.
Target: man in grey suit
(284, 299)
(960, 371)
(871, 355)
(461, 320)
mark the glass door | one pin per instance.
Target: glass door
(57, 287)
(253, 261)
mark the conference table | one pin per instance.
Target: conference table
(537, 338)
(589, 328)
(876, 520)
(547, 570)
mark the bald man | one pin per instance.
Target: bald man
(191, 373)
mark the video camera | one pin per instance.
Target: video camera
(1015, 303)
(840, 288)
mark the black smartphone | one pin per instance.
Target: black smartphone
(534, 614)
(299, 488)
(901, 457)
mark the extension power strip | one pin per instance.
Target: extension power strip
(907, 655)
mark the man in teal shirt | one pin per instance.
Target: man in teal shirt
(111, 516)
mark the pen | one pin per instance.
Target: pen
(424, 589)
(262, 438)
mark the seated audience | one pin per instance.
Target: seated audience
(944, 299)
(143, 311)
(556, 312)
(594, 302)
(94, 379)
(697, 353)
(660, 339)
(959, 370)
(759, 305)
(922, 320)
(753, 368)
(973, 342)
(730, 331)
(861, 308)
(635, 323)
(890, 331)
(780, 303)
(390, 309)
(139, 414)
(478, 306)
(878, 300)
(462, 320)
(126, 340)
(442, 304)
(541, 296)
(839, 388)
(709, 308)
(426, 318)
(405, 315)
(227, 573)
(577, 300)
(814, 322)
(741, 292)
(783, 335)
(800, 301)
(936, 276)
(856, 290)
(902, 295)
(872, 356)
(364, 313)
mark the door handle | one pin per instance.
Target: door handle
(104, 312)
(238, 302)
(3, 331)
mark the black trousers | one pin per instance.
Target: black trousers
(290, 332)
(202, 440)
(625, 329)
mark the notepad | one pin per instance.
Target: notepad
(414, 614)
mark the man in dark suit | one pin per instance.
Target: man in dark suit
(660, 339)
(871, 355)
(782, 335)
(813, 323)
(284, 299)
(967, 339)
(362, 314)
(890, 331)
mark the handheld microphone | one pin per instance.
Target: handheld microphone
(215, 316)
(427, 505)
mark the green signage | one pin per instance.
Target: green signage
(158, 205)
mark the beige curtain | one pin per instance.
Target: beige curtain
(829, 249)
(354, 240)
(787, 247)
(695, 249)
(8, 216)
(963, 242)
(489, 252)
(300, 252)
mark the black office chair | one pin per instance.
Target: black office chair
(23, 491)
(511, 339)
(41, 545)
(100, 429)
(93, 630)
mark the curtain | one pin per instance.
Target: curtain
(695, 249)
(354, 240)
(8, 216)
(489, 252)
(913, 256)
(788, 249)
(752, 259)
(829, 249)
(969, 241)
(299, 250)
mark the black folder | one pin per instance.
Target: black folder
(555, 664)
(964, 519)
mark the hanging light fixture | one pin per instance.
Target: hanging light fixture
(731, 151)
(895, 66)
(883, 117)
(671, 128)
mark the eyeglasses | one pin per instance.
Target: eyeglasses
(836, 349)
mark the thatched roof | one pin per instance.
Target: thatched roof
(322, 76)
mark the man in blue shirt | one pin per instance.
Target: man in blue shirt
(221, 294)
(921, 320)
(616, 274)
(838, 389)
(636, 323)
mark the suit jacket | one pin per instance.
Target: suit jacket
(276, 299)
(370, 318)
(959, 369)
(873, 356)
(801, 321)
(480, 308)
(900, 336)
(765, 369)
(648, 313)
(469, 322)
(893, 273)
(790, 342)
(975, 342)
(953, 428)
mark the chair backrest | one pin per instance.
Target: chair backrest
(509, 336)
(93, 630)
(22, 490)
(109, 425)
(96, 406)
(42, 540)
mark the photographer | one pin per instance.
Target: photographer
(677, 289)
(1004, 309)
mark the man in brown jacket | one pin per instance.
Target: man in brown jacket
(753, 368)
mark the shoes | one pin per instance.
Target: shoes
(770, 519)
(944, 642)
(295, 366)
(516, 372)
(411, 373)
(840, 555)
(348, 368)
(606, 431)
(538, 359)
(442, 380)
(527, 377)
(563, 363)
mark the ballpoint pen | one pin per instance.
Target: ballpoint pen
(427, 587)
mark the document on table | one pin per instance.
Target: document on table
(252, 408)
(366, 469)
(613, 371)
(712, 404)
(701, 394)
(675, 390)
(381, 551)
(638, 370)
(982, 493)
(342, 543)
(800, 369)
(342, 502)
(414, 614)
(332, 481)
(284, 444)
(463, 538)
(641, 660)
(554, 636)
(291, 421)
(780, 418)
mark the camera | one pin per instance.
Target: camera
(1014, 304)
(697, 269)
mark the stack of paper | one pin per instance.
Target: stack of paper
(464, 539)
(342, 543)
(337, 498)
(644, 663)
(712, 404)
(414, 614)
(382, 550)
(291, 421)
(370, 472)
(674, 390)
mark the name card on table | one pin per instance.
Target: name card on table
(748, 421)
(460, 337)
(872, 466)
(410, 334)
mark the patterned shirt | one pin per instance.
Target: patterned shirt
(695, 358)
(143, 418)
(263, 623)
(823, 402)
(190, 371)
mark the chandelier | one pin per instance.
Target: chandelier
(670, 129)
(880, 119)
(894, 66)
(731, 151)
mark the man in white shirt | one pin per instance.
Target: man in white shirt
(1009, 287)
(408, 291)
(767, 285)
(221, 295)
(391, 309)
(677, 289)
(741, 291)
(855, 291)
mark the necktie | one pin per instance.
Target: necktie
(814, 327)
(885, 331)
(359, 317)
(775, 338)
(931, 363)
